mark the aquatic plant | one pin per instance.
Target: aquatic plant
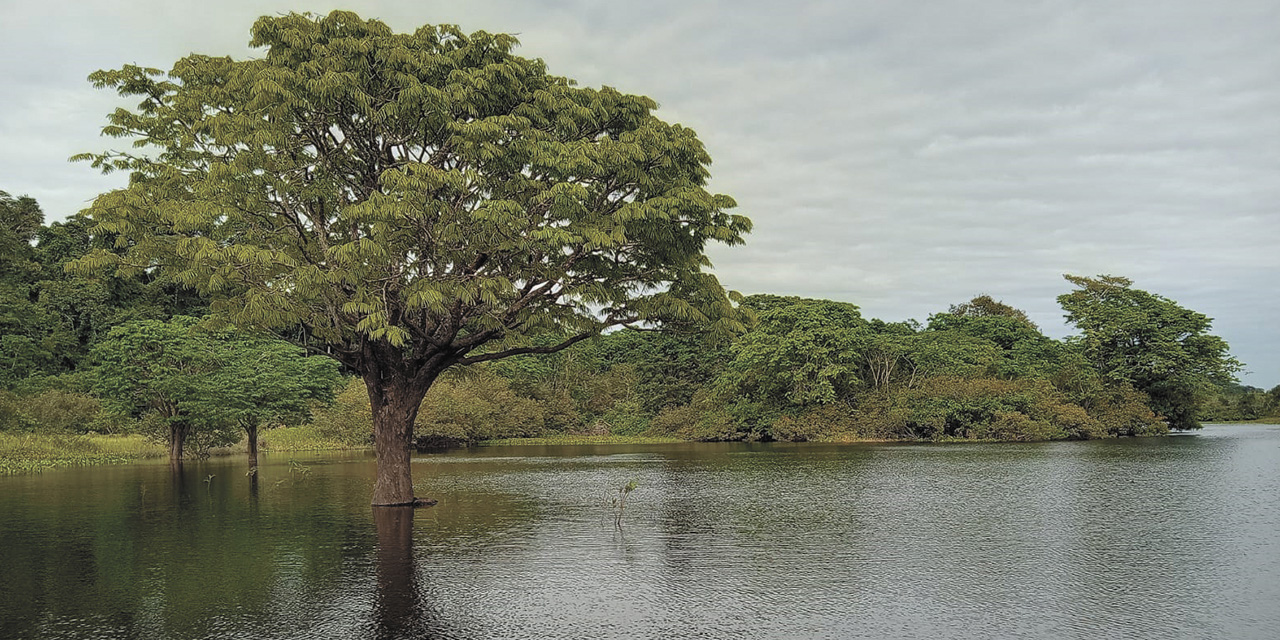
(618, 501)
(302, 470)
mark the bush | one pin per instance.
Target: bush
(980, 409)
(699, 420)
(671, 420)
(625, 418)
(829, 421)
(1124, 411)
(349, 420)
(1015, 426)
(63, 411)
(462, 407)
(559, 413)
(13, 413)
(477, 406)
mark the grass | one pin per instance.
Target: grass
(30, 452)
(849, 438)
(35, 452)
(559, 439)
(303, 438)
(1262, 420)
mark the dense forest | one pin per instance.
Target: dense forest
(83, 351)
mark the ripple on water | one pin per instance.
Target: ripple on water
(1154, 538)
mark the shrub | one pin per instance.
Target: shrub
(464, 407)
(625, 418)
(670, 421)
(829, 421)
(477, 406)
(700, 420)
(981, 408)
(1124, 411)
(58, 410)
(349, 419)
(1015, 426)
(559, 413)
(13, 413)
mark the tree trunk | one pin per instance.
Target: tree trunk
(251, 428)
(395, 406)
(177, 436)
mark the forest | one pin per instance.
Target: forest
(92, 352)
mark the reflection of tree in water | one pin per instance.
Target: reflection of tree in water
(153, 551)
(397, 608)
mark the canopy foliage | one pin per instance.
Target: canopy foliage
(1150, 342)
(408, 197)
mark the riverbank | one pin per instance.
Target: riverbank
(571, 439)
(303, 438)
(1263, 420)
(35, 452)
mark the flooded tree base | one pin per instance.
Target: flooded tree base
(416, 503)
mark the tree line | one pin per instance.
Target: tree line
(130, 353)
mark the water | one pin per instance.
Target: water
(1173, 537)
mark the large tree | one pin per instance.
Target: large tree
(167, 374)
(802, 352)
(409, 202)
(20, 220)
(1150, 342)
(31, 338)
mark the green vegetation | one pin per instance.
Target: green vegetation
(301, 438)
(1150, 342)
(1239, 403)
(804, 370)
(28, 452)
(570, 439)
(408, 203)
(188, 383)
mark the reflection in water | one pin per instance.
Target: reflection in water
(1151, 538)
(397, 605)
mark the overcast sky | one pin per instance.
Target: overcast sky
(903, 156)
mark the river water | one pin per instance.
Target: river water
(1175, 537)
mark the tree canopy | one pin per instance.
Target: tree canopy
(1150, 342)
(408, 202)
(193, 382)
(984, 306)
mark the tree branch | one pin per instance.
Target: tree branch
(484, 357)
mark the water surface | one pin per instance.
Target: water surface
(1174, 537)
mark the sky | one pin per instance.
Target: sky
(902, 156)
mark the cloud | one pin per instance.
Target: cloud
(902, 156)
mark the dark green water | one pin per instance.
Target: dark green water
(1176, 537)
